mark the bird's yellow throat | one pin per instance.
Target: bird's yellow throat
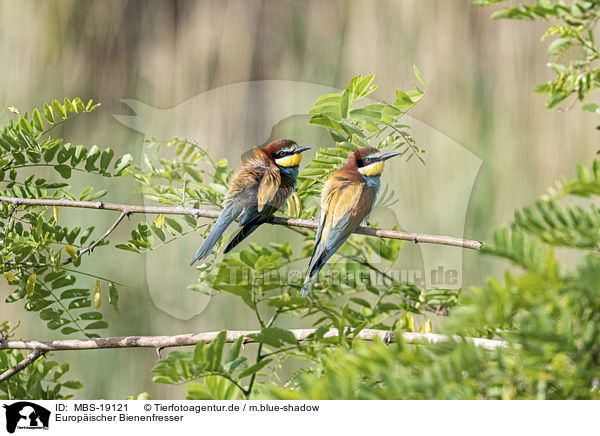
(374, 169)
(290, 161)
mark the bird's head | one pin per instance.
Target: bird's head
(285, 152)
(369, 161)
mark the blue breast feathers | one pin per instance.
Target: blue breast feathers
(289, 172)
(373, 182)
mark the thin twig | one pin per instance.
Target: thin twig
(13, 210)
(259, 355)
(205, 213)
(32, 357)
(105, 235)
(437, 309)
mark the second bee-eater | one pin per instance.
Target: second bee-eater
(257, 190)
(347, 198)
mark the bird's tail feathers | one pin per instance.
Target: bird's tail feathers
(242, 234)
(318, 263)
(309, 281)
(226, 217)
(320, 256)
(314, 266)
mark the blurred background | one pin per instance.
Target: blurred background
(480, 75)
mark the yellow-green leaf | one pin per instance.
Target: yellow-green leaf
(113, 296)
(10, 278)
(48, 113)
(25, 125)
(59, 109)
(71, 252)
(97, 296)
(418, 75)
(30, 286)
(70, 106)
(294, 206)
(408, 322)
(37, 120)
(222, 163)
(427, 327)
(55, 214)
(159, 220)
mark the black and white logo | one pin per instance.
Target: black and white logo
(26, 415)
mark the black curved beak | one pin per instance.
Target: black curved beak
(389, 156)
(300, 149)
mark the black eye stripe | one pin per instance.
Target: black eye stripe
(285, 152)
(364, 162)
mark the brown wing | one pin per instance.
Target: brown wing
(339, 196)
(248, 179)
(269, 187)
(345, 202)
(260, 203)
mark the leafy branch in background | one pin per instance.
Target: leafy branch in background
(40, 258)
(190, 177)
(40, 381)
(353, 124)
(263, 276)
(573, 51)
(548, 315)
(43, 260)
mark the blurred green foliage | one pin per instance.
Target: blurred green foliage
(41, 260)
(546, 312)
(262, 277)
(549, 316)
(41, 381)
(353, 124)
(573, 52)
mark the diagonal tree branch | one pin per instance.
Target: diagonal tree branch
(206, 213)
(32, 357)
(105, 235)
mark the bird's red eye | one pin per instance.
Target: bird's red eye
(367, 161)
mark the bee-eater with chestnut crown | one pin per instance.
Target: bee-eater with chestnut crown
(258, 189)
(347, 198)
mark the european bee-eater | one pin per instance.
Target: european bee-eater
(347, 198)
(258, 189)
